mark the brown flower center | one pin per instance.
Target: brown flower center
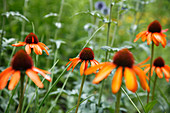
(123, 58)
(86, 54)
(159, 62)
(155, 26)
(31, 39)
(21, 61)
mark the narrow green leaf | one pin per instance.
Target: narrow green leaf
(150, 105)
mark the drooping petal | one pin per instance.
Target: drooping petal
(149, 38)
(163, 42)
(94, 68)
(42, 73)
(72, 60)
(86, 65)
(143, 61)
(19, 44)
(4, 78)
(34, 77)
(130, 79)
(147, 69)
(43, 44)
(167, 67)
(156, 42)
(164, 30)
(28, 49)
(139, 35)
(6, 71)
(37, 50)
(43, 48)
(117, 80)
(95, 61)
(14, 80)
(159, 72)
(74, 65)
(103, 73)
(142, 78)
(166, 72)
(82, 67)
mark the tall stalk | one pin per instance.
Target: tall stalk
(151, 61)
(106, 56)
(21, 92)
(117, 106)
(81, 88)
(154, 85)
(3, 25)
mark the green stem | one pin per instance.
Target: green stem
(117, 106)
(152, 52)
(107, 43)
(3, 25)
(22, 92)
(140, 102)
(81, 88)
(154, 86)
(100, 93)
(130, 100)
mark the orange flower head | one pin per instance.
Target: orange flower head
(123, 58)
(124, 62)
(159, 67)
(154, 33)
(21, 61)
(31, 39)
(32, 42)
(86, 55)
(159, 62)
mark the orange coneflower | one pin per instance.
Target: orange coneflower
(31, 41)
(124, 62)
(159, 67)
(21, 61)
(86, 55)
(154, 33)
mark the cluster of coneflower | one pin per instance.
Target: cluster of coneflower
(123, 62)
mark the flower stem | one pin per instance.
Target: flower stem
(154, 86)
(140, 102)
(117, 106)
(3, 25)
(81, 88)
(152, 52)
(21, 92)
(107, 43)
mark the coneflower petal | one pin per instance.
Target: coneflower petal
(43, 44)
(74, 65)
(19, 44)
(130, 79)
(14, 80)
(117, 80)
(159, 72)
(142, 78)
(42, 73)
(149, 38)
(82, 67)
(28, 49)
(4, 78)
(43, 48)
(6, 71)
(94, 68)
(103, 73)
(34, 77)
(139, 35)
(166, 72)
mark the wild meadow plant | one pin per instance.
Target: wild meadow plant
(103, 53)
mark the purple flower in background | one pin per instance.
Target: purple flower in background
(100, 5)
(105, 11)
